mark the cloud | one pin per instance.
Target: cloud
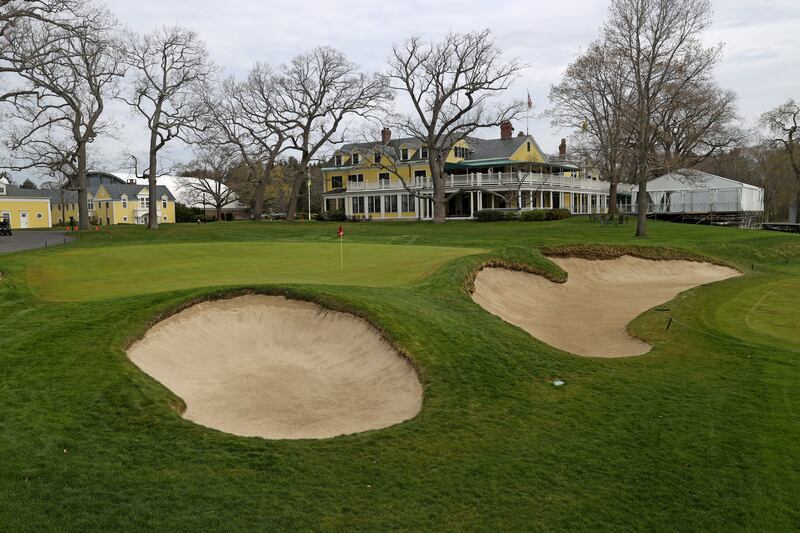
(760, 60)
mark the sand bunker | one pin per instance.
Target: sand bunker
(280, 369)
(588, 315)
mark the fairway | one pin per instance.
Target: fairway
(85, 274)
(701, 433)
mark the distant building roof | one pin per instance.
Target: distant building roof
(13, 191)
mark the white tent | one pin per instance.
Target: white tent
(693, 191)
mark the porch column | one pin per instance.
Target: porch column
(383, 207)
(471, 204)
(551, 199)
(400, 206)
(519, 198)
(480, 200)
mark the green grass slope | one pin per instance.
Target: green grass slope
(703, 433)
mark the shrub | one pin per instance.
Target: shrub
(333, 215)
(538, 215)
(495, 215)
(532, 216)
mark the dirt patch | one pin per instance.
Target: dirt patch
(280, 369)
(589, 313)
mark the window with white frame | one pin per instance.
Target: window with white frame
(124, 219)
(404, 154)
(124, 202)
(144, 202)
(355, 159)
(390, 203)
(374, 204)
(358, 204)
(377, 158)
(337, 160)
(423, 152)
(383, 179)
(407, 203)
(163, 203)
(356, 178)
(90, 205)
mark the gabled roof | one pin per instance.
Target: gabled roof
(12, 191)
(132, 190)
(496, 150)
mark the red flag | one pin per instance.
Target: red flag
(530, 102)
(340, 233)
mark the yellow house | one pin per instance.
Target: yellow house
(24, 208)
(113, 201)
(391, 179)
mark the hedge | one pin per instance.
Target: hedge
(536, 215)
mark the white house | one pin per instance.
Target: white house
(189, 196)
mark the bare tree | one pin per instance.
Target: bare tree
(659, 41)
(782, 123)
(207, 177)
(317, 92)
(244, 115)
(67, 72)
(452, 87)
(171, 65)
(592, 99)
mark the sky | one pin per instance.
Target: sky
(761, 60)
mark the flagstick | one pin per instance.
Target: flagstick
(341, 252)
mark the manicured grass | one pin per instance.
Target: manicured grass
(703, 433)
(142, 269)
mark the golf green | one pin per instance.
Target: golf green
(89, 273)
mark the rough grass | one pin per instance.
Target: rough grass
(703, 433)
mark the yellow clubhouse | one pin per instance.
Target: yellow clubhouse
(372, 179)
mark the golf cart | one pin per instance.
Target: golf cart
(5, 227)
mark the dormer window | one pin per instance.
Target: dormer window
(355, 159)
(377, 159)
(163, 202)
(529, 146)
(2, 189)
(124, 202)
(423, 152)
(337, 160)
(404, 154)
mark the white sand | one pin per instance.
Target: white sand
(589, 314)
(279, 369)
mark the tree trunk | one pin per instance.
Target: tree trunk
(83, 193)
(297, 184)
(439, 196)
(261, 190)
(797, 205)
(641, 207)
(152, 212)
(613, 208)
(219, 212)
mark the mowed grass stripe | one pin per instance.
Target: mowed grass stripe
(88, 274)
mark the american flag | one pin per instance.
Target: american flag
(530, 102)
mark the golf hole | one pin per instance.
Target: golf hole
(589, 314)
(275, 368)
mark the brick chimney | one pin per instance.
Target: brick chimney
(506, 130)
(521, 134)
(386, 135)
(562, 148)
